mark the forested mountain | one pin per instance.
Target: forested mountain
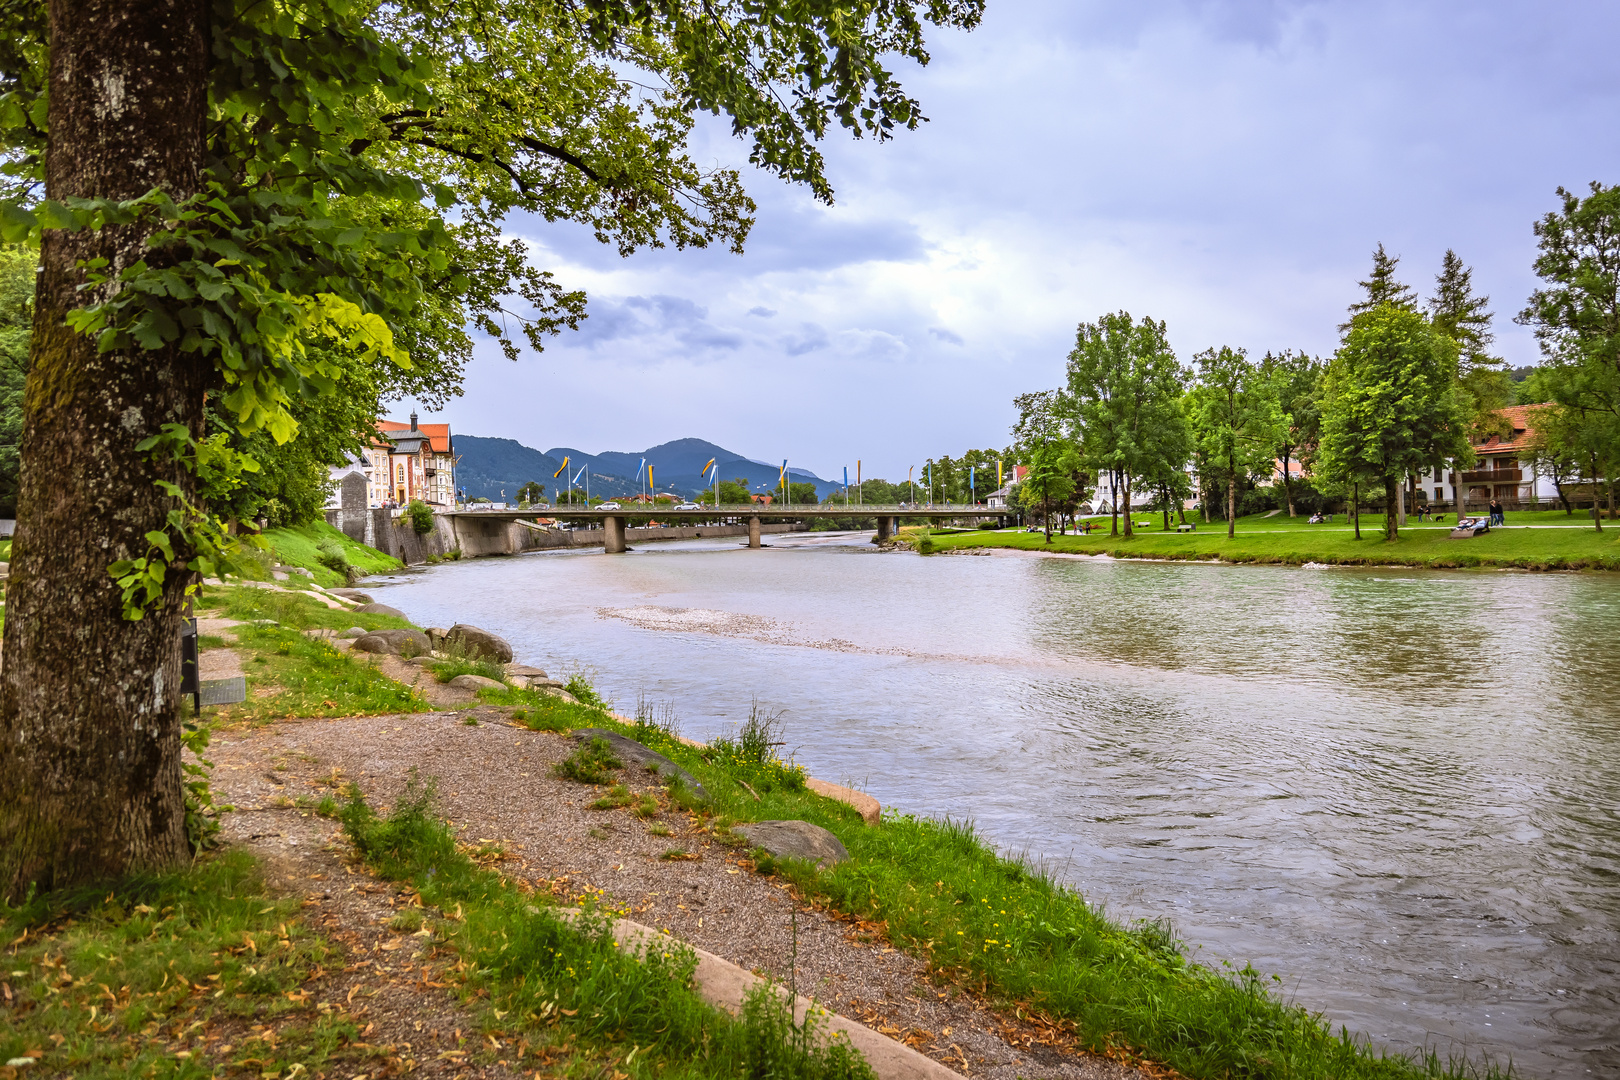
(486, 467)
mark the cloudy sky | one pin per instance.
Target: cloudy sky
(1225, 165)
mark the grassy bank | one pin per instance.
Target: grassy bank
(325, 551)
(1545, 540)
(554, 984)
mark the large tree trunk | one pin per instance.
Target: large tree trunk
(1113, 502)
(1288, 486)
(1128, 532)
(90, 783)
(1355, 506)
(1231, 502)
(1391, 524)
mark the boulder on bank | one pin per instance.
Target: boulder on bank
(554, 691)
(796, 840)
(352, 594)
(380, 609)
(480, 644)
(437, 634)
(354, 632)
(393, 642)
(635, 756)
(476, 682)
(525, 671)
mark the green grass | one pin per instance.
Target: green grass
(295, 610)
(311, 678)
(301, 546)
(155, 976)
(551, 983)
(1538, 540)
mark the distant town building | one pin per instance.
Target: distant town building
(404, 461)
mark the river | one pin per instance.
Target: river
(1399, 790)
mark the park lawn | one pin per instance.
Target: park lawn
(1538, 540)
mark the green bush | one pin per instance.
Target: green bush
(420, 515)
(332, 557)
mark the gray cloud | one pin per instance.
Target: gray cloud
(762, 312)
(809, 339)
(946, 336)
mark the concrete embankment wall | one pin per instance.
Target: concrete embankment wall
(476, 538)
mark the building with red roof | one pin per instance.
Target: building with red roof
(1499, 473)
(411, 461)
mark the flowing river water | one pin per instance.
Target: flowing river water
(1398, 790)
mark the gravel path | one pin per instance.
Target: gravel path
(495, 784)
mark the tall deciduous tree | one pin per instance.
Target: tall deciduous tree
(1126, 388)
(1041, 432)
(1297, 377)
(1392, 404)
(228, 183)
(1576, 316)
(1236, 420)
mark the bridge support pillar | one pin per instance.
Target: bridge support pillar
(753, 530)
(885, 529)
(613, 535)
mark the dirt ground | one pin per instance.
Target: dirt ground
(495, 783)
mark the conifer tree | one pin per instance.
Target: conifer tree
(1382, 288)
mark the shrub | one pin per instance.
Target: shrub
(333, 557)
(420, 515)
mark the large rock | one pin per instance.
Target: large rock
(635, 756)
(795, 840)
(527, 671)
(476, 682)
(354, 632)
(352, 594)
(380, 609)
(393, 642)
(480, 644)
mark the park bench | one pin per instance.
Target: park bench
(205, 691)
(1186, 526)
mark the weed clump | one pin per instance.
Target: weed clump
(590, 764)
(752, 758)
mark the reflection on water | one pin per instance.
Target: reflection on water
(1398, 790)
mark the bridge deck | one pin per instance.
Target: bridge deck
(665, 513)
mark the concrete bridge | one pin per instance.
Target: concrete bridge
(613, 521)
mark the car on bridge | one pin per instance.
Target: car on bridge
(690, 506)
(607, 506)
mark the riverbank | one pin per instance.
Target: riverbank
(1530, 541)
(976, 924)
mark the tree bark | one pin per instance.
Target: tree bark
(90, 781)
(1391, 526)
(1231, 501)
(1046, 516)
(1128, 532)
(1288, 486)
(1113, 499)
(1355, 506)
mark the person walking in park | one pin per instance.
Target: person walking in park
(1497, 517)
